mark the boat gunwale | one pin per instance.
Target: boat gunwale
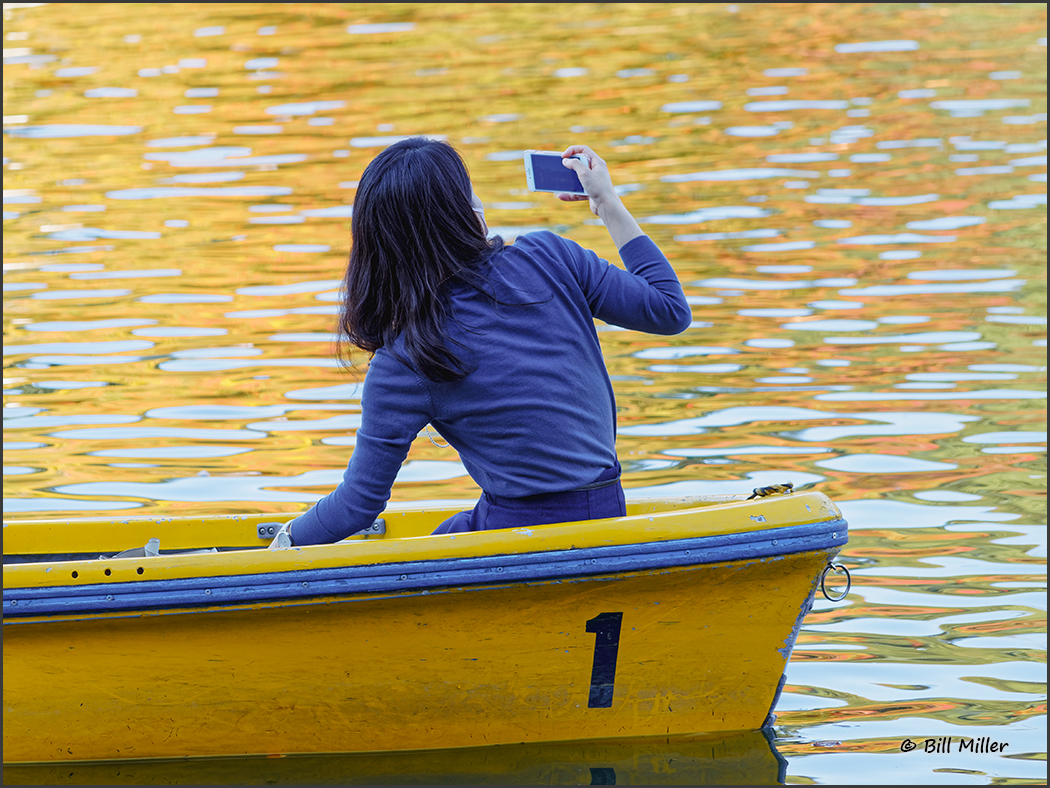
(420, 576)
(656, 526)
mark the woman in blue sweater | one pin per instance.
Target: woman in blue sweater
(493, 345)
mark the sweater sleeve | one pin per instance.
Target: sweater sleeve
(395, 407)
(646, 297)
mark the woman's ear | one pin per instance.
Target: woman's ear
(479, 211)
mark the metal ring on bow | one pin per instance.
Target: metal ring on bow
(838, 568)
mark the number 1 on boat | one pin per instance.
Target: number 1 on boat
(606, 629)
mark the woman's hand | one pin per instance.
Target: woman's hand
(283, 539)
(605, 202)
(594, 176)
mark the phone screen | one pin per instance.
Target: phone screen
(549, 174)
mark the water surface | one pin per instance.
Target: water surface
(852, 194)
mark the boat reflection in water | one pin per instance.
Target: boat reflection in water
(742, 759)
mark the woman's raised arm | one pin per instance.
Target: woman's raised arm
(605, 202)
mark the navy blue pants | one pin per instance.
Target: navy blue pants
(601, 498)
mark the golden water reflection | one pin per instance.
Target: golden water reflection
(852, 194)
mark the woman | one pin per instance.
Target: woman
(493, 345)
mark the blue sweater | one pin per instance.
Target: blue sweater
(536, 411)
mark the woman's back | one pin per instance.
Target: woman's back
(500, 354)
(535, 412)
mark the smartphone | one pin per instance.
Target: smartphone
(544, 172)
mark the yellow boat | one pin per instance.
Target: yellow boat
(675, 621)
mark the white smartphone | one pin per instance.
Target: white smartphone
(544, 172)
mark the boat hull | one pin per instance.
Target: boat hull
(597, 643)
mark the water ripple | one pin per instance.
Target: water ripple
(899, 238)
(350, 391)
(41, 504)
(118, 346)
(140, 433)
(290, 289)
(184, 298)
(256, 489)
(48, 422)
(304, 108)
(179, 142)
(204, 177)
(765, 284)
(832, 325)
(163, 192)
(957, 274)
(745, 174)
(1007, 437)
(144, 274)
(93, 233)
(783, 106)
(347, 422)
(79, 295)
(708, 215)
(956, 105)
(381, 27)
(878, 46)
(219, 365)
(70, 130)
(691, 106)
(880, 396)
(883, 463)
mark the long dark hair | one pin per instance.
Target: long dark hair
(414, 232)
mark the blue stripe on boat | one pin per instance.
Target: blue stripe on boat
(419, 576)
